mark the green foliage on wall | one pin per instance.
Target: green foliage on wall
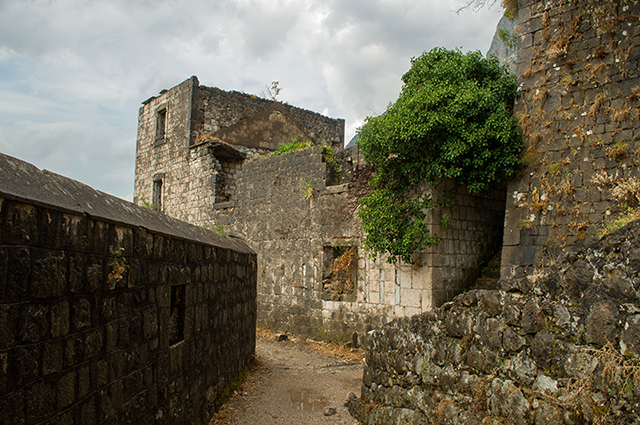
(452, 120)
(294, 146)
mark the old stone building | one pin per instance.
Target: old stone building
(201, 158)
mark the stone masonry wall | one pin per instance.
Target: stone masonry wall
(294, 231)
(192, 178)
(562, 347)
(579, 110)
(111, 313)
(248, 120)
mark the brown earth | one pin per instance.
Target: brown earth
(294, 382)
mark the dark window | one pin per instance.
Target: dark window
(157, 195)
(176, 320)
(161, 126)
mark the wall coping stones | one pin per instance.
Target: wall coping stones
(24, 182)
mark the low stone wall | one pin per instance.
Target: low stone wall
(111, 313)
(562, 347)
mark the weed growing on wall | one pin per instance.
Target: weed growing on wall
(452, 120)
(118, 266)
(307, 189)
(144, 203)
(329, 156)
(294, 146)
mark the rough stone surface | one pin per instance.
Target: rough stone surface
(449, 366)
(295, 213)
(578, 75)
(110, 313)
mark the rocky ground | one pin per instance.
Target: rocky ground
(295, 382)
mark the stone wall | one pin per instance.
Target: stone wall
(111, 313)
(579, 111)
(563, 347)
(248, 120)
(207, 134)
(295, 213)
(298, 224)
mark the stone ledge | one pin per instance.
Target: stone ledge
(332, 190)
(224, 205)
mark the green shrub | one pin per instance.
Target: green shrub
(452, 120)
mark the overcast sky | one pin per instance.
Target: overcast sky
(73, 73)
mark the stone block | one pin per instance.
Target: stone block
(65, 390)
(60, 319)
(20, 225)
(38, 398)
(48, 278)
(18, 273)
(411, 297)
(9, 319)
(34, 323)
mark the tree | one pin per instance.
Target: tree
(452, 120)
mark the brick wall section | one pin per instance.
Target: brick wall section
(580, 119)
(80, 347)
(291, 234)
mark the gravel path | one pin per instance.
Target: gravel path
(293, 384)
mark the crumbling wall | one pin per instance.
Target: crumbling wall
(300, 226)
(579, 111)
(248, 120)
(563, 347)
(111, 313)
(182, 173)
(188, 174)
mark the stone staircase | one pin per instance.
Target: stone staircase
(490, 274)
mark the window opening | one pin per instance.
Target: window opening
(157, 195)
(176, 320)
(339, 273)
(161, 126)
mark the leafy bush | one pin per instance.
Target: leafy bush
(452, 120)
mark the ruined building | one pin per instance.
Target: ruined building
(201, 158)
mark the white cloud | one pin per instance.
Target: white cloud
(73, 72)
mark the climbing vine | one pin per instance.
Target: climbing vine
(452, 120)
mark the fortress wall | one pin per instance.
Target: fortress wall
(248, 120)
(296, 233)
(579, 109)
(111, 313)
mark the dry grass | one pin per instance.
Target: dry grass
(622, 114)
(325, 348)
(599, 102)
(635, 94)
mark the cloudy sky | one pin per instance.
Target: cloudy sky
(74, 72)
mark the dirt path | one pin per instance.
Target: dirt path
(294, 382)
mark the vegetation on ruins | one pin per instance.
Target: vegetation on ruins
(339, 280)
(145, 203)
(452, 120)
(294, 146)
(328, 153)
